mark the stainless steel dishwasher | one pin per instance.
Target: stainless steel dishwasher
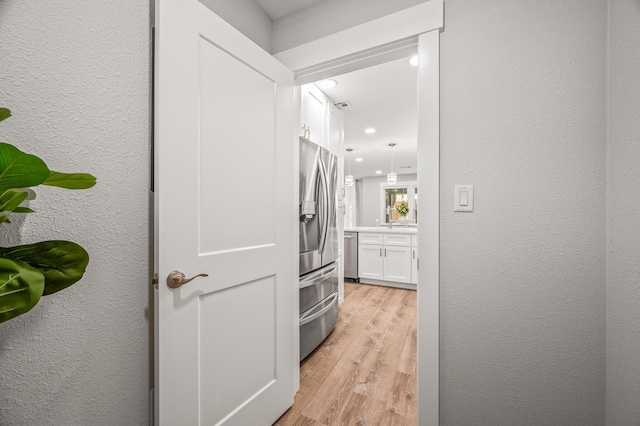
(351, 256)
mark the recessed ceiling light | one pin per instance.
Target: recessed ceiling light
(370, 130)
(359, 159)
(327, 84)
(378, 172)
(414, 60)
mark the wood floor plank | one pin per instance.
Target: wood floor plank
(302, 421)
(404, 394)
(353, 409)
(365, 371)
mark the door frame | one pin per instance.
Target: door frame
(395, 36)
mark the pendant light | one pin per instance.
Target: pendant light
(392, 178)
(348, 179)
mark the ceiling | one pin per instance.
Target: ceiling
(278, 8)
(383, 97)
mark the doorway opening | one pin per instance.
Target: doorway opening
(372, 351)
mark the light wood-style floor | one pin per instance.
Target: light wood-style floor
(365, 371)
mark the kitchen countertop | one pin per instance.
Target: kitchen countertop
(384, 229)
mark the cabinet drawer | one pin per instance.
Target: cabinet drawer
(403, 240)
(367, 238)
(414, 241)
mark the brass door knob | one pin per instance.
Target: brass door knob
(177, 279)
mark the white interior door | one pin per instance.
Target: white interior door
(225, 204)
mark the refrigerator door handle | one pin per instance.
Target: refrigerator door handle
(324, 222)
(311, 279)
(308, 202)
(321, 312)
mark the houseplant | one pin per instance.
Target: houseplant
(30, 271)
(402, 208)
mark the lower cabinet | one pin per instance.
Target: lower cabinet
(386, 263)
(370, 263)
(397, 264)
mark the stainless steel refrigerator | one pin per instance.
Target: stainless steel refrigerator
(318, 245)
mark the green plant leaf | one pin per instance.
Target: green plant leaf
(70, 180)
(20, 170)
(61, 262)
(11, 199)
(4, 114)
(23, 210)
(21, 287)
(4, 218)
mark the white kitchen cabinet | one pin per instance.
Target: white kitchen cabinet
(370, 261)
(370, 238)
(397, 264)
(378, 260)
(335, 141)
(314, 114)
(402, 240)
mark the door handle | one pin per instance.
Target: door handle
(324, 231)
(177, 279)
(308, 319)
(312, 278)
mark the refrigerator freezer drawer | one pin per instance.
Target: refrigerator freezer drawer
(317, 323)
(317, 286)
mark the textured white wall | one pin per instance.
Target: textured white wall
(623, 280)
(76, 76)
(523, 118)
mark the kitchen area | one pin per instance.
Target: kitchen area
(382, 256)
(358, 239)
(358, 190)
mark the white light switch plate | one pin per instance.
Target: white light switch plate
(464, 198)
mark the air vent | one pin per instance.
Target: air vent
(344, 105)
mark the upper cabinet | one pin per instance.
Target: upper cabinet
(314, 114)
(322, 121)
